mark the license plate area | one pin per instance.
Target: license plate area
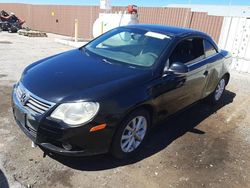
(24, 121)
(20, 116)
(31, 125)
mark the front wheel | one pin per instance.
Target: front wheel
(131, 135)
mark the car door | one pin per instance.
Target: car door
(215, 63)
(187, 88)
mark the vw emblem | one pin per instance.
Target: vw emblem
(24, 98)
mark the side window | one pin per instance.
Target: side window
(209, 49)
(188, 51)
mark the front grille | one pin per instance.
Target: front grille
(32, 102)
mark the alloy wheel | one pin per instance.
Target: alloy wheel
(133, 134)
(219, 90)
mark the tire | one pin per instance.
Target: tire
(215, 97)
(3, 180)
(13, 29)
(5, 26)
(126, 142)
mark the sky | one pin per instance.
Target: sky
(154, 3)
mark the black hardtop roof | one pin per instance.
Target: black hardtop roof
(169, 30)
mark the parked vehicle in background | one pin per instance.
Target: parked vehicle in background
(9, 22)
(106, 95)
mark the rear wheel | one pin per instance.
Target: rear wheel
(219, 90)
(131, 135)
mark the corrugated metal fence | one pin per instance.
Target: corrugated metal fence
(40, 17)
(236, 39)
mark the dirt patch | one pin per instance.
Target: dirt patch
(5, 42)
(5, 93)
(3, 75)
(61, 178)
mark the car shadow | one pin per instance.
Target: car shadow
(3, 180)
(160, 137)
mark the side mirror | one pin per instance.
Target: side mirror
(178, 68)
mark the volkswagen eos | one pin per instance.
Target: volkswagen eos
(106, 95)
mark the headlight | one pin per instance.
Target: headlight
(76, 113)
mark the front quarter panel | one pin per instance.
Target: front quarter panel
(114, 109)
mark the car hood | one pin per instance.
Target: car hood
(75, 72)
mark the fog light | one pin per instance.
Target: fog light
(66, 146)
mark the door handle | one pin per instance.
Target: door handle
(205, 73)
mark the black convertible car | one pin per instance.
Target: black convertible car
(106, 95)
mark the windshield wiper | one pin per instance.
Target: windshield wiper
(106, 61)
(83, 49)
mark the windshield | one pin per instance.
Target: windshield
(130, 46)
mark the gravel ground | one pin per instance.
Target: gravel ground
(205, 146)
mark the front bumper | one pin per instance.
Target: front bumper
(50, 135)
